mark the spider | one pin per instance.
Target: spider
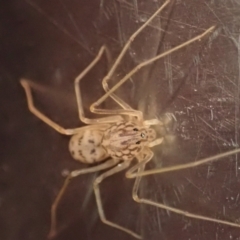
(116, 140)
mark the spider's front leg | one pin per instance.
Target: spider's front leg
(26, 85)
(127, 110)
(130, 112)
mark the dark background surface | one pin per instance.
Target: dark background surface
(50, 42)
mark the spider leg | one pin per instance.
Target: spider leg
(118, 100)
(138, 114)
(142, 162)
(182, 212)
(25, 84)
(131, 113)
(143, 159)
(73, 174)
(97, 181)
(130, 40)
(127, 110)
(140, 167)
(79, 98)
(106, 79)
(116, 112)
(217, 157)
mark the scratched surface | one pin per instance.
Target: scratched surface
(50, 42)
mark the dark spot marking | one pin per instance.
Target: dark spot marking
(135, 129)
(138, 142)
(80, 153)
(73, 153)
(91, 141)
(80, 141)
(93, 151)
(124, 143)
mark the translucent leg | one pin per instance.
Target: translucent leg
(184, 213)
(82, 117)
(44, 118)
(98, 180)
(140, 167)
(218, 157)
(148, 156)
(118, 100)
(137, 68)
(127, 109)
(73, 174)
(130, 40)
(117, 62)
(130, 113)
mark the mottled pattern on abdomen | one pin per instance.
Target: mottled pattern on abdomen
(86, 147)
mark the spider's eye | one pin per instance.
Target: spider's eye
(142, 135)
(138, 142)
(135, 129)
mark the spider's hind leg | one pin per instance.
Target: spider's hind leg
(53, 229)
(130, 112)
(98, 180)
(131, 173)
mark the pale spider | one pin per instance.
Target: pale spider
(122, 137)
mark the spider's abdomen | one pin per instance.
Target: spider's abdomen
(86, 147)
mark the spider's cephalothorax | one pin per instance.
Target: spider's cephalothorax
(124, 140)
